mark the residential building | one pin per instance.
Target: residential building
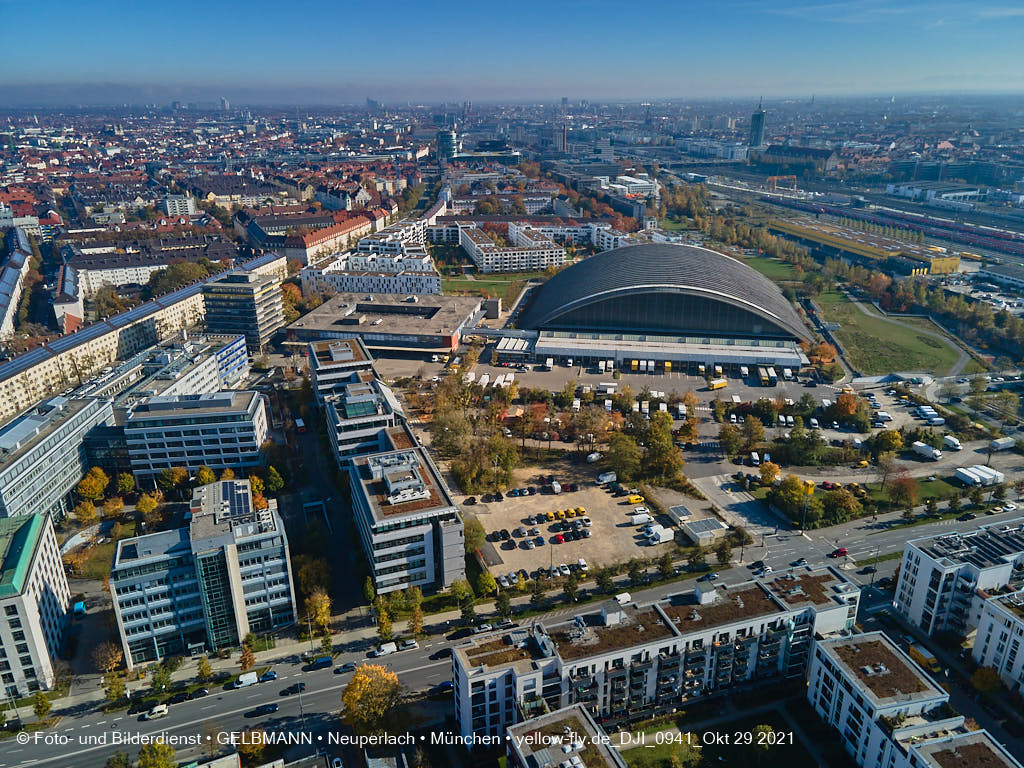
(570, 732)
(409, 526)
(412, 273)
(246, 303)
(945, 579)
(530, 250)
(887, 712)
(358, 415)
(34, 599)
(206, 586)
(629, 662)
(1000, 634)
(224, 429)
(68, 304)
(12, 279)
(333, 364)
(179, 205)
(41, 455)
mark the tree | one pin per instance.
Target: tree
(370, 696)
(274, 481)
(931, 507)
(468, 611)
(205, 476)
(247, 660)
(839, 505)
(665, 566)
(887, 441)
(125, 484)
(770, 472)
(486, 584)
(107, 656)
(723, 551)
(730, 438)
(903, 490)
(85, 512)
(250, 745)
(205, 671)
(887, 464)
(227, 474)
(752, 431)
(663, 459)
(1018, 488)
(986, 680)
(259, 501)
(416, 620)
(763, 739)
(536, 592)
(157, 754)
(146, 504)
(503, 603)
(113, 687)
(460, 590)
(92, 486)
(119, 760)
(571, 587)
(623, 456)
(384, 627)
(368, 591)
(697, 558)
(112, 507)
(954, 503)
(326, 643)
(473, 533)
(161, 678)
(635, 570)
(171, 478)
(318, 609)
(999, 492)
(845, 406)
(605, 581)
(256, 484)
(41, 705)
(976, 495)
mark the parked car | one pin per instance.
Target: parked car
(408, 645)
(178, 698)
(198, 693)
(470, 501)
(559, 538)
(563, 569)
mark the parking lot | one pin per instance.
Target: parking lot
(613, 539)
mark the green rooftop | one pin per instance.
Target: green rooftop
(18, 539)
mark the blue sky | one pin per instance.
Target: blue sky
(523, 50)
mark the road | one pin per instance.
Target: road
(85, 739)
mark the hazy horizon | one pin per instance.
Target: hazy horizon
(107, 53)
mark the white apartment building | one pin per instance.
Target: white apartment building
(887, 712)
(642, 186)
(396, 238)
(41, 456)
(205, 587)
(34, 598)
(408, 524)
(530, 250)
(411, 272)
(224, 429)
(335, 363)
(944, 580)
(1000, 635)
(358, 416)
(12, 279)
(179, 205)
(629, 662)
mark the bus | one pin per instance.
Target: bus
(718, 371)
(762, 374)
(744, 372)
(300, 426)
(717, 383)
(773, 378)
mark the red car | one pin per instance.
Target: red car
(559, 539)
(841, 552)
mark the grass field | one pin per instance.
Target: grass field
(875, 346)
(101, 556)
(493, 285)
(773, 269)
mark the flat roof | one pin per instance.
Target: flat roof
(883, 671)
(541, 741)
(428, 492)
(986, 546)
(26, 431)
(804, 586)
(229, 401)
(342, 353)
(748, 601)
(976, 749)
(589, 635)
(393, 314)
(19, 537)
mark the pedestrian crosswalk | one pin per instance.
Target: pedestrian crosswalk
(710, 445)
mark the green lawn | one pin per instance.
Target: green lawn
(875, 346)
(101, 556)
(773, 269)
(673, 225)
(495, 285)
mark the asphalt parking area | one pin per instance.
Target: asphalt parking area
(613, 538)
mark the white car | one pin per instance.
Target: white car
(582, 565)
(586, 521)
(1009, 506)
(641, 511)
(563, 569)
(503, 581)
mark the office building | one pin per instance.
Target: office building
(888, 713)
(997, 643)
(408, 524)
(757, 127)
(630, 662)
(246, 303)
(447, 146)
(219, 430)
(945, 579)
(204, 587)
(42, 458)
(358, 415)
(34, 598)
(334, 364)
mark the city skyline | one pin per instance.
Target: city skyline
(745, 49)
